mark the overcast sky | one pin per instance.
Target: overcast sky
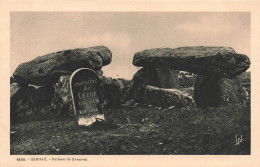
(124, 33)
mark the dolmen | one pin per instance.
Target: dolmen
(71, 82)
(42, 87)
(217, 69)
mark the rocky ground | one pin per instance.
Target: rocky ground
(139, 130)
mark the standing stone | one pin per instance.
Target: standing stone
(217, 61)
(40, 101)
(212, 91)
(19, 102)
(112, 91)
(142, 78)
(159, 77)
(246, 81)
(86, 97)
(62, 101)
(127, 93)
(30, 103)
(46, 70)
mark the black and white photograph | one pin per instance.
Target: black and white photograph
(130, 83)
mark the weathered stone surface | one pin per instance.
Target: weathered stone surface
(30, 103)
(12, 80)
(212, 91)
(46, 69)
(218, 61)
(159, 77)
(62, 101)
(246, 81)
(112, 91)
(127, 93)
(189, 91)
(167, 78)
(14, 89)
(167, 97)
(20, 97)
(142, 78)
(99, 73)
(245, 77)
(40, 102)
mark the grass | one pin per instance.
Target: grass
(139, 130)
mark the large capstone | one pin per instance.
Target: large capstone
(167, 97)
(217, 61)
(46, 70)
(210, 91)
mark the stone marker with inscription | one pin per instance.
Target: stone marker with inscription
(84, 85)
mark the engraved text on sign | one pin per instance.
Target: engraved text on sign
(85, 92)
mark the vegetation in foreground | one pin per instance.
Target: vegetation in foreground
(139, 130)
